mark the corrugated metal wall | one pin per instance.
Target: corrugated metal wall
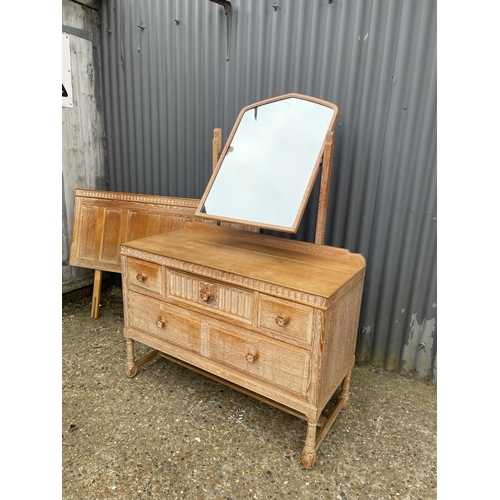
(168, 83)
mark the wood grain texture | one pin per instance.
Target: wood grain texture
(324, 190)
(230, 304)
(285, 317)
(105, 219)
(231, 301)
(253, 257)
(216, 147)
(339, 342)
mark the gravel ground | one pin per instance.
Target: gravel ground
(170, 433)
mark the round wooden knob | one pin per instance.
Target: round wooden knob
(281, 321)
(251, 357)
(159, 323)
(205, 295)
(140, 277)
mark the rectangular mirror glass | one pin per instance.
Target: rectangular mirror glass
(269, 164)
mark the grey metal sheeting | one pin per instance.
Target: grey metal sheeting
(167, 84)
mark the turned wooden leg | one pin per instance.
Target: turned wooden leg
(131, 367)
(344, 393)
(96, 294)
(309, 452)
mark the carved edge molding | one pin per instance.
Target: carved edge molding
(141, 198)
(207, 272)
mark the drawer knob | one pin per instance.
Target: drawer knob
(140, 277)
(281, 321)
(251, 358)
(159, 323)
(205, 295)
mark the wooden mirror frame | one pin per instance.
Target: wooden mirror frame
(324, 160)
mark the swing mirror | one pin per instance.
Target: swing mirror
(267, 169)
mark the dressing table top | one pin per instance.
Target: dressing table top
(308, 268)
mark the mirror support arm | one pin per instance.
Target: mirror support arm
(216, 150)
(324, 189)
(216, 147)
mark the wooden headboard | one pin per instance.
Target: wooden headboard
(103, 220)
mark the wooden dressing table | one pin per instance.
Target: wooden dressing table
(274, 318)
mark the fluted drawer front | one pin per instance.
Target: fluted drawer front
(167, 323)
(285, 317)
(144, 275)
(274, 361)
(215, 296)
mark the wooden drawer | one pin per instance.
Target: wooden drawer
(156, 318)
(271, 360)
(285, 317)
(144, 275)
(214, 296)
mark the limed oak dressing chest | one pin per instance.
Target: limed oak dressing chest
(272, 317)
